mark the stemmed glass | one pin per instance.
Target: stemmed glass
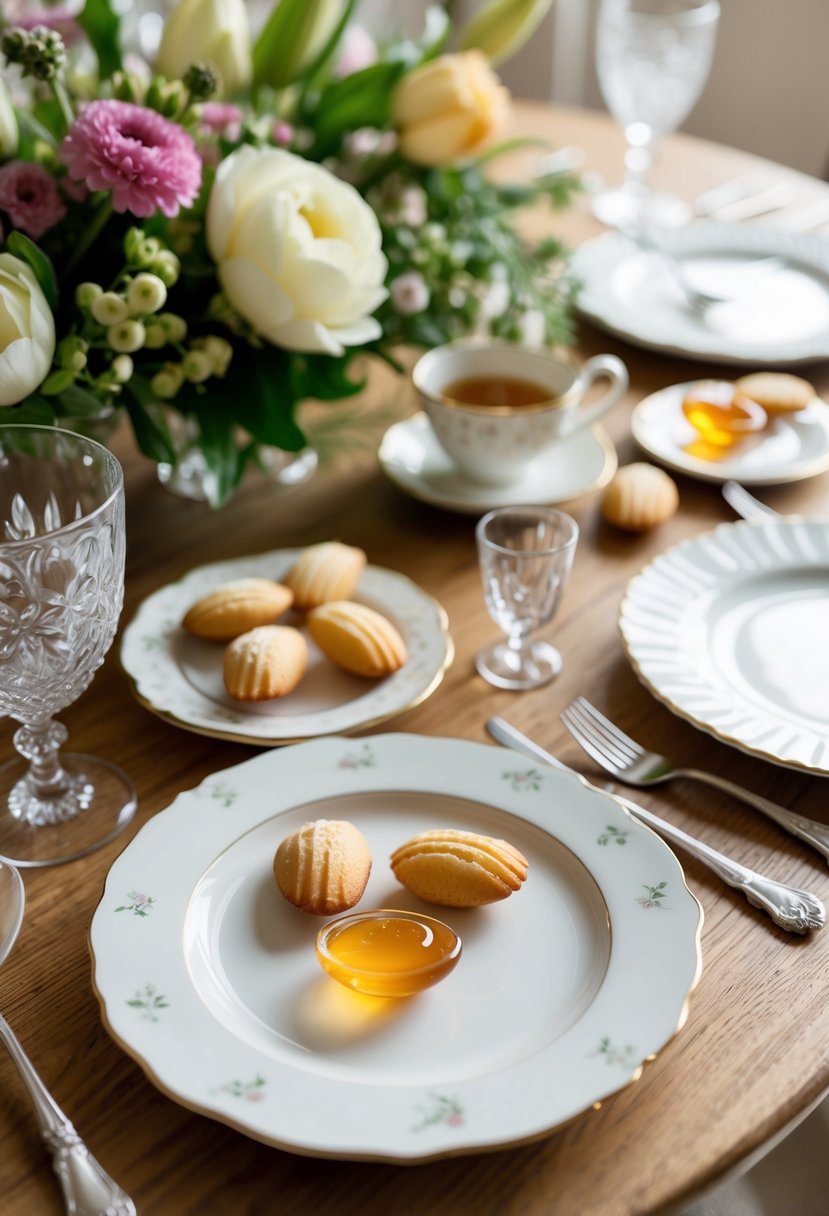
(62, 548)
(525, 555)
(653, 58)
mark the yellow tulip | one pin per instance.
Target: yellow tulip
(501, 27)
(449, 109)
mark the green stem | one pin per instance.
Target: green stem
(93, 231)
(62, 98)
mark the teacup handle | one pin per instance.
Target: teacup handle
(612, 369)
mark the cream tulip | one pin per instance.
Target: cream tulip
(449, 109)
(27, 331)
(298, 251)
(215, 31)
(501, 27)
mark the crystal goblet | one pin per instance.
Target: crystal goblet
(525, 555)
(653, 58)
(61, 590)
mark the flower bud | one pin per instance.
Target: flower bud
(108, 308)
(175, 328)
(501, 27)
(448, 108)
(197, 366)
(145, 294)
(166, 383)
(155, 336)
(200, 81)
(219, 351)
(208, 31)
(87, 293)
(71, 354)
(126, 336)
(167, 266)
(127, 87)
(122, 368)
(281, 55)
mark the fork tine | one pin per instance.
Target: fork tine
(611, 729)
(613, 754)
(586, 743)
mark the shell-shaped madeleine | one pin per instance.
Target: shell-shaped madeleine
(639, 497)
(236, 607)
(264, 663)
(357, 638)
(459, 869)
(323, 867)
(328, 571)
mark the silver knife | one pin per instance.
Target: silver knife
(793, 910)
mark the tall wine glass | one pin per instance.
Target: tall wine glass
(61, 589)
(525, 555)
(653, 58)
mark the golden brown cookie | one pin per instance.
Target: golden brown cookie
(777, 392)
(357, 638)
(459, 869)
(329, 571)
(264, 663)
(236, 607)
(323, 867)
(639, 497)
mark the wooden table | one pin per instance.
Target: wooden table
(754, 1055)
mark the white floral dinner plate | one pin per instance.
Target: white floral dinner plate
(791, 448)
(775, 315)
(412, 458)
(729, 630)
(179, 677)
(208, 977)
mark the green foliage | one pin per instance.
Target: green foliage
(362, 99)
(25, 249)
(102, 27)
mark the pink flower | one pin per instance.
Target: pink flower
(359, 51)
(29, 196)
(149, 163)
(282, 133)
(409, 293)
(217, 115)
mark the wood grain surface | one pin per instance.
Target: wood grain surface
(754, 1054)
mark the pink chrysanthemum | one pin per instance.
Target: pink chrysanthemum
(149, 163)
(29, 196)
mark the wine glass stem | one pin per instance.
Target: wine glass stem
(39, 743)
(638, 158)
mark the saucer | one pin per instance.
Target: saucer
(412, 458)
(791, 448)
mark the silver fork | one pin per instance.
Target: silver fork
(745, 504)
(697, 300)
(628, 761)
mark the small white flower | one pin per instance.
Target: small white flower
(457, 297)
(166, 383)
(122, 368)
(86, 293)
(219, 352)
(174, 327)
(495, 300)
(409, 293)
(155, 336)
(413, 206)
(108, 308)
(197, 366)
(126, 336)
(533, 328)
(146, 294)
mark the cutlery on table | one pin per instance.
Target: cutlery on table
(746, 186)
(87, 1189)
(629, 762)
(793, 910)
(745, 504)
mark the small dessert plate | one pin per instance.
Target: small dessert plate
(791, 448)
(412, 458)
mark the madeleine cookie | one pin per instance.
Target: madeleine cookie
(459, 869)
(639, 497)
(777, 392)
(330, 571)
(236, 607)
(264, 663)
(323, 867)
(357, 638)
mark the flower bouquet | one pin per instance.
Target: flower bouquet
(207, 233)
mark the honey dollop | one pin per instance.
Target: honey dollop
(722, 415)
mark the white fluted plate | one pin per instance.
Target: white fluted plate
(179, 677)
(772, 317)
(730, 631)
(563, 991)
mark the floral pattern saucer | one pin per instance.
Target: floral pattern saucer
(563, 992)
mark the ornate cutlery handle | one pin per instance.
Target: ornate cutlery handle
(811, 830)
(87, 1188)
(793, 910)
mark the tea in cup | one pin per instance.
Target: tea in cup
(495, 406)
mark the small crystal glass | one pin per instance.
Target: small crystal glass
(62, 546)
(525, 555)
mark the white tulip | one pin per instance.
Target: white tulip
(298, 251)
(27, 331)
(215, 31)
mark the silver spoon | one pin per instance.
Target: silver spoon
(87, 1188)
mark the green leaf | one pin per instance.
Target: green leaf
(78, 402)
(362, 99)
(30, 132)
(25, 249)
(102, 27)
(151, 431)
(290, 41)
(324, 378)
(56, 383)
(217, 428)
(34, 411)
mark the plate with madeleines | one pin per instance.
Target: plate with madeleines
(279, 647)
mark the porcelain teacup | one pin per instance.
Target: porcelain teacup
(493, 444)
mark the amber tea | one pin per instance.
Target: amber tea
(496, 392)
